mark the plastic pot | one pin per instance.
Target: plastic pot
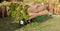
(29, 21)
(22, 22)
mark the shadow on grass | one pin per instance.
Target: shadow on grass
(7, 25)
(44, 18)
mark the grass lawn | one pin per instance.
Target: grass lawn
(51, 24)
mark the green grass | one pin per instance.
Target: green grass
(51, 24)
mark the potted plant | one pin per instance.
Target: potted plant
(24, 14)
(21, 15)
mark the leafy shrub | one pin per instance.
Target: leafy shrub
(18, 14)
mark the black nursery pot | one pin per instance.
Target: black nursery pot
(22, 22)
(29, 21)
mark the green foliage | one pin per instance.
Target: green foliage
(26, 8)
(21, 7)
(18, 13)
(26, 16)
